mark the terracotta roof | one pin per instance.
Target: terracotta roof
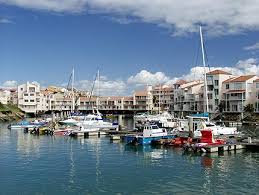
(228, 80)
(242, 78)
(87, 98)
(129, 98)
(115, 98)
(191, 84)
(180, 82)
(214, 72)
(46, 92)
(141, 93)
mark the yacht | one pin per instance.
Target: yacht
(96, 121)
(150, 133)
(216, 129)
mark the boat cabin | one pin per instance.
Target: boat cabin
(154, 131)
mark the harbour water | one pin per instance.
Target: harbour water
(32, 164)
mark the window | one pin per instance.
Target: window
(227, 86)
(216, 82)
(31, 89)
(25, 100)
(209, 96)
(31, 94)
(216, 91)
(238, 85)
(257, 85)
(26, 94)
(31, 100)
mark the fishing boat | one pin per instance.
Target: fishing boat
(150, 133)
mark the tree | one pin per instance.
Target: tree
(249, 108)
(221, 106)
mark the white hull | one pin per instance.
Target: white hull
(217, 130)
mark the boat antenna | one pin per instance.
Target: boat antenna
(206, 101)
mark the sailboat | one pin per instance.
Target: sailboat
(95, 120)
(71, 120)
(206, 124)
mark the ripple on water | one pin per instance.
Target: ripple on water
(54, 165)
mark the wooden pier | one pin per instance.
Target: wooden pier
(230, 147)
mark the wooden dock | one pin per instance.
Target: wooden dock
(230, 147)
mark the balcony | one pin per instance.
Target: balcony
(186, 107)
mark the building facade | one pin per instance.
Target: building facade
(214, 88)
(30, 98)
(188, 97)
(237, 93)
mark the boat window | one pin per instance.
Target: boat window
(210, 125)
(154, 127)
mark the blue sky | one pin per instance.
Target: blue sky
(42, 42)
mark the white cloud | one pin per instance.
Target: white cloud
(10, 84)
(219, 17)
(73, 6)
(107, 87)
(145, 77)
(252, 47)
(242, 67)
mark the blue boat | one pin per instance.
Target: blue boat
(26, 124)
(150, 133)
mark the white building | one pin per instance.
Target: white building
(237, 93)
(215, 79)
(30, 98)
(255, 95)
(163, 97)
(5, 96)
(188, 97)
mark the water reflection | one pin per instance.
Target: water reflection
(95, 165)
(72, 170)
(148, 151)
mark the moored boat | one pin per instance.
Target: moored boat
(150, 133)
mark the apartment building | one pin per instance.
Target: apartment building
(255, 95)
(215, 79)
(87, 102)
(5, 96)
(188, 97)
(163, 96)
(237, 93)
(30, 98)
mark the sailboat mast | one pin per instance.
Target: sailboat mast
(73, 97)
(98, 86)
(206, 101)
(159, 104)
